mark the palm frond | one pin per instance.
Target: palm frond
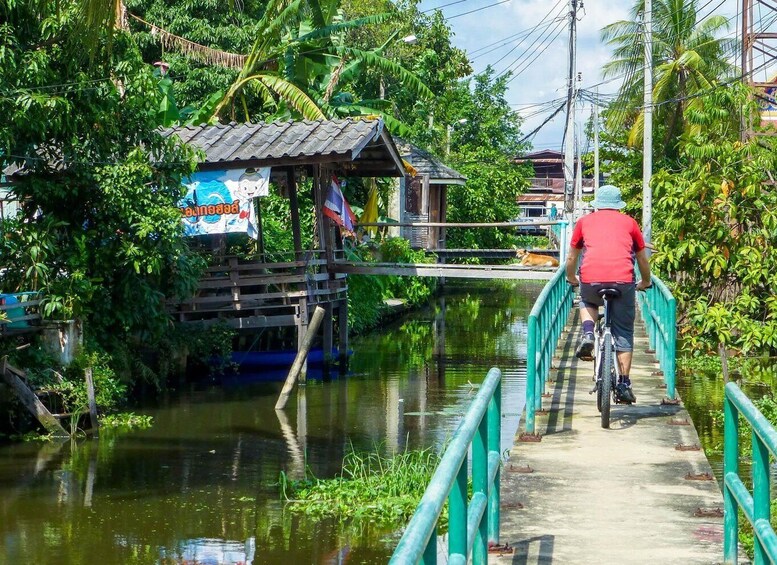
(326, 31)
(292, 94)
(371, 59)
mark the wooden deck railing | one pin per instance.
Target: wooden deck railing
(247, 293)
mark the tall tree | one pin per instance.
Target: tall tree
(100, 230)
(689, 57)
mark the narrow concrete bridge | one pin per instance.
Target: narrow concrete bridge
(640, 492)
(573, 490)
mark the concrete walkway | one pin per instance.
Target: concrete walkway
(624, 495)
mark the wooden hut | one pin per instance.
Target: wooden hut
(260, 293)
(423, 197)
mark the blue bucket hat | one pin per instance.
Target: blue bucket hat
(608, 197)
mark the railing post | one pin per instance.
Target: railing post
(495, 445)
(480, 485)
(730, 466)
(671, 361)
(457, 513)
(430, 552)
(563, 243)
(761, 502)
(531, 373)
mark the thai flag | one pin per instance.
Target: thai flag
(336, 207)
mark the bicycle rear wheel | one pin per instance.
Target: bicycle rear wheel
(604, 394)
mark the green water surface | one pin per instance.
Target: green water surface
(200, 486)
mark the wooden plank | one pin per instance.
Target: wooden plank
(30, 401)
(252, 281)
(249, 322)
(445, 270)
(35, 316)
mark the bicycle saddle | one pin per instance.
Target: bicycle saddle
(609, 292)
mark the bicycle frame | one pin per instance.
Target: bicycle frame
(604, 325)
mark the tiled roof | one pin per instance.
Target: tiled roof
(290, 143)
(427, 164)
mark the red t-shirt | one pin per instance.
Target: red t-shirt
(609, 241)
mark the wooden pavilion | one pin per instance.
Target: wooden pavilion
(260, 292)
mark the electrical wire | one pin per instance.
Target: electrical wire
(506, 43)
(486, 7)
(517, 73)
(545, 17)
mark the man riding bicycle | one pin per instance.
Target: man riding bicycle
(609, 241)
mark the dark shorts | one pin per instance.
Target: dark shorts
(622, 310)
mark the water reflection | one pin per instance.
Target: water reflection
(201, 485)
(703, 392)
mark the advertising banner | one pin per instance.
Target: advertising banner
(219, 202)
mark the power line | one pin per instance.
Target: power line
(545, 17)
(486, 7)
(529, 63)
(505, 43)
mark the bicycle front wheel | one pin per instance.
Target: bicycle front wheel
(605, 379)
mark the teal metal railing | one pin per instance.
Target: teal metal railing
(474, 522)
(659, 311)
(755, 506)
(546, 321)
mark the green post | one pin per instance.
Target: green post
(760, 491)
(671, 361)
(531, 373)
(494, 445)
(457, 513)
(480, 485)
(430, 552)
(730, 466)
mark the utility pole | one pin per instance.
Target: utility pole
(569, 129)
(595, 110)
(647, 134)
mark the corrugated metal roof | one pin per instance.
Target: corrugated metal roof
(292, 142)
(427, 164)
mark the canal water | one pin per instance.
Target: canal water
(201, 485)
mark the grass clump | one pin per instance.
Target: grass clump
(127, 421)
(373, 487)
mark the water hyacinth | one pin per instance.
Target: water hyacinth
(372, 487)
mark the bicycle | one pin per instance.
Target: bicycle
(606, 370)
(606, 360)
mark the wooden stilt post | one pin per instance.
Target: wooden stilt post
(328, 332)
(92, 402)
(30, 401)
(302, 330)
(307, 341)
(342, 321)
(294, 205)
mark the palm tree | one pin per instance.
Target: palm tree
(689, 57)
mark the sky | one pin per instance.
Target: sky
(540, 62)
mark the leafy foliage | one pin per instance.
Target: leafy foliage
(99, 230)
(366, 293)
(716, 229)
(485, 145)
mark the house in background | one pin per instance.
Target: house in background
(547, 184)
(423, 196)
